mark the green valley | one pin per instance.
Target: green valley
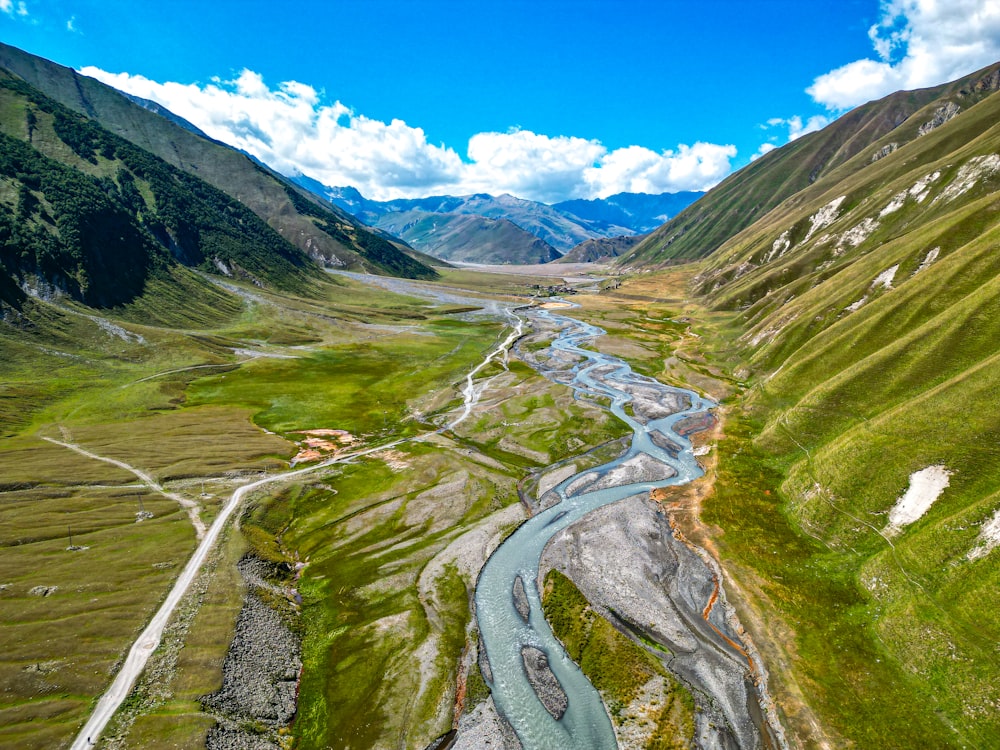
(272, 479)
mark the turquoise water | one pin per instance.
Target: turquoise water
(504, 633)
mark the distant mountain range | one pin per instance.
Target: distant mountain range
(468, 237)
(640, 212)
(510, 227)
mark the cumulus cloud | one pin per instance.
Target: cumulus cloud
(765, 148)
(528, 164)
(796, 128)
(917, 43)
(295, 131)
(636, 169)
(13, 9)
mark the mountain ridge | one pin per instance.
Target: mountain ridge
(86, 213)
(749, 194)
(323, 231)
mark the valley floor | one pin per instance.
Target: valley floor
(121, 448)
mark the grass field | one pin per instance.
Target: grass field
(620, 669)
(868, 642)
(203, 396)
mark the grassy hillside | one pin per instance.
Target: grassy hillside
(603, 248)
(316, 227)
(860, 138)
(867, 328)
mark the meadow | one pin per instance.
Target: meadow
(215, 387)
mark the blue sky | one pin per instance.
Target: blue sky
(546, 99)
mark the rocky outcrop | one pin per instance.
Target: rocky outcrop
(884, 151)
(260, 673)
(942, 114)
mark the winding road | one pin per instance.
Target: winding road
(150, 637)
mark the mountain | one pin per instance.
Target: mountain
(640, 212)
(859, 484)
(159, 109)
(321, 230)
(560, 230)
(564, 226)
(468, 238)
(601, 248)
(855, 141)
(89, 214)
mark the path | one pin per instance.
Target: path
(192, 508)
(149, 639)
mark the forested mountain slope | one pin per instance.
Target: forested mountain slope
(316, 227)
(86, 213)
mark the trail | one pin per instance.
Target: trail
(192, 508)
(149, 639)
(181, 369)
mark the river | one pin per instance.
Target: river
(657, 457)
(709, 654)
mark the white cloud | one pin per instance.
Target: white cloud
(294, 130)
(70, 24)
(796, 129)
(528, 164)
(13, 9)
(918, 43)
(636, 169)
(765, 148)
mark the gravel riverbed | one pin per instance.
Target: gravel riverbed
(627, 561)
(260, 673)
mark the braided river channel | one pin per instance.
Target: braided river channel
(675, 599)
(514, 632)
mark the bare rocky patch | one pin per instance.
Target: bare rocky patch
(260, 673)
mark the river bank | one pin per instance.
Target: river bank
(657, 588)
